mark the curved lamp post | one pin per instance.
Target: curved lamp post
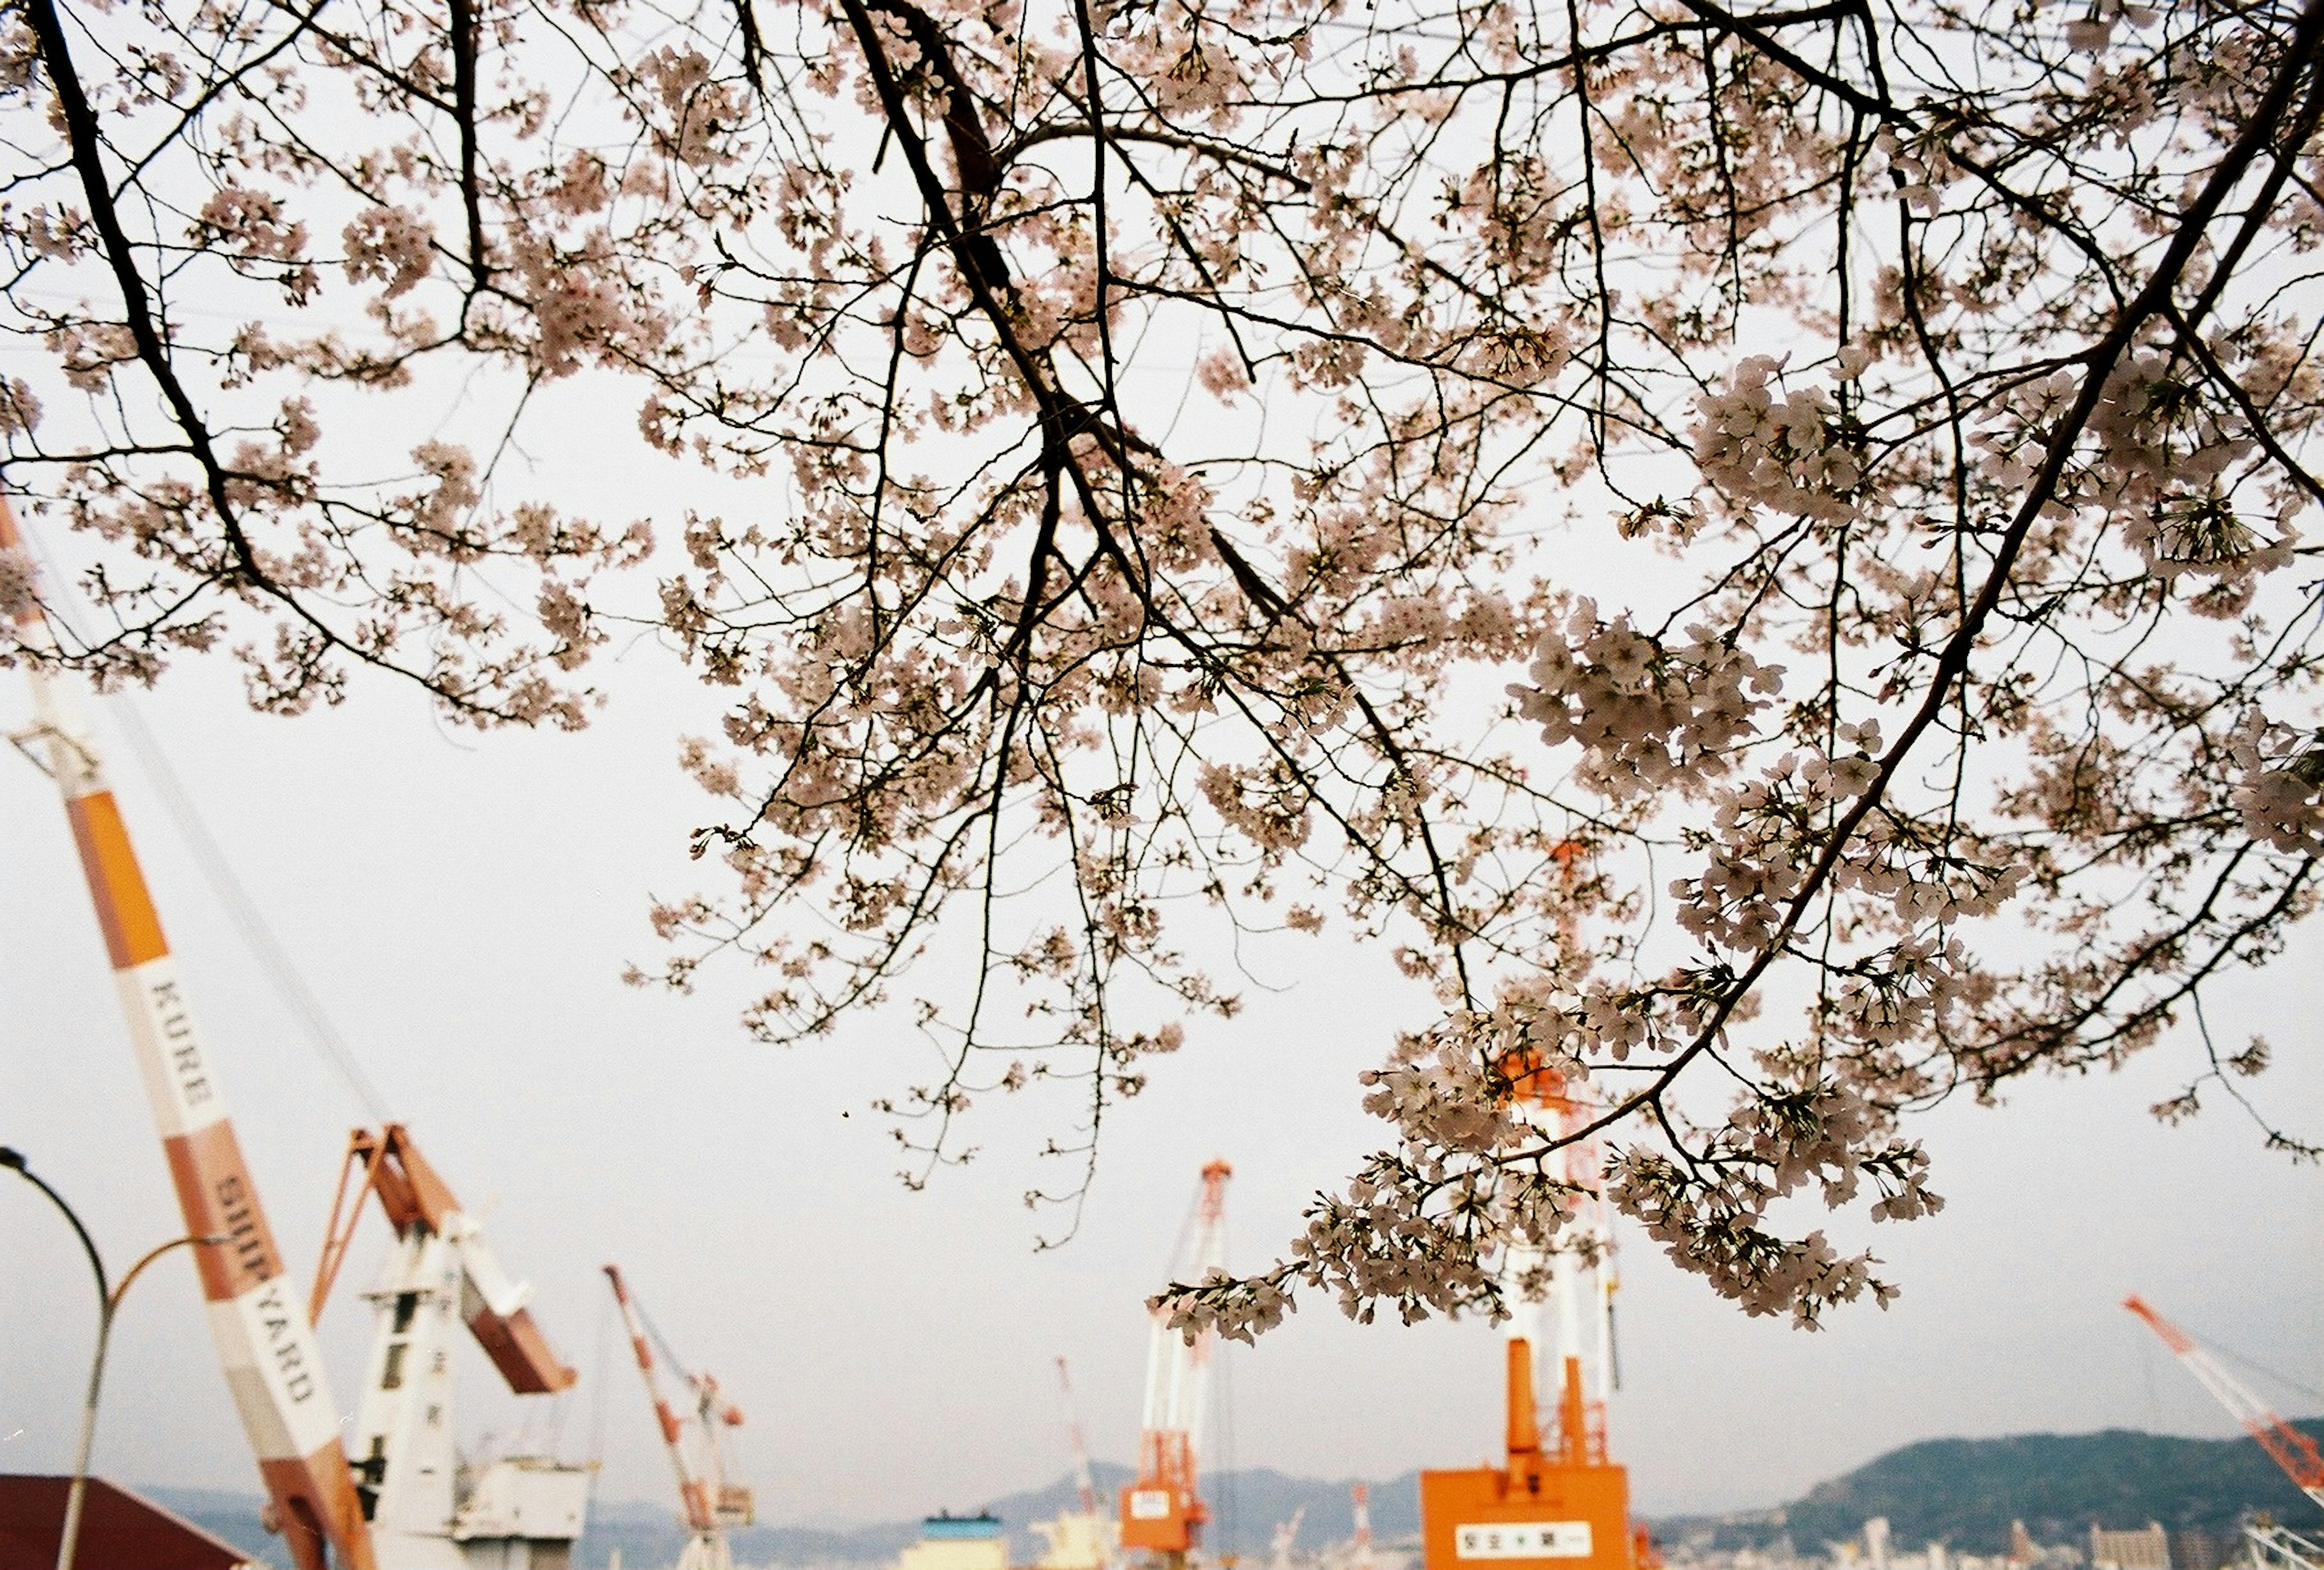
(108, 1303)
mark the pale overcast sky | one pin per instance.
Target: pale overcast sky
(463, 906)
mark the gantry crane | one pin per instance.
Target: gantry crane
(710, 1504)
(2293, 1450)
(265, 1338)
(267, 1346)
(424, 1513)
(1558, 1501)
(1163, 1511)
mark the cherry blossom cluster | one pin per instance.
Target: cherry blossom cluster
(1142, 444)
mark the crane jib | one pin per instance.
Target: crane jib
(266, 1347)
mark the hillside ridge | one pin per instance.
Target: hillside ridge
(1963, 1492)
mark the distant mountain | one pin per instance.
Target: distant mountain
(1245, 1507)
(1965, 1492)
(224, 1514)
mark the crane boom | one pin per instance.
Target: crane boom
(2293, 1451)
(267, 1346)
(413, 1196)
(710, 1502)
(1084, 1483)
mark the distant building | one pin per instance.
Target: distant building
(950, 1542)
(2146, 1550)
(2193, 1550)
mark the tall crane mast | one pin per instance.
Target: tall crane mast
(1163, 1510)
(267, 1347)
(1572, 1319)
(1085, 1486)
(711, 1503)
(2293, 1450)
(1558, 1501)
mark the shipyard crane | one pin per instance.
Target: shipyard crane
(1558, 1501)
(1085, 1486)
(274, 1366)
(711, 1503)
(1085, 1537)
(1286, 1534)
(1162, 1512)
(2293, 1450)
(1360, 1497)
(323, 1508)
(425, 1514)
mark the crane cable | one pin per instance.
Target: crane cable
(217, 871)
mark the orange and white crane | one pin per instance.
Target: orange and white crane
(710, 1504)
(1162, 1512)
(1558, 1501)
(427, 1510)
(364, 1516)
(2293, 1450)
(274, 1367)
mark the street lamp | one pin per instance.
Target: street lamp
(108, 1303)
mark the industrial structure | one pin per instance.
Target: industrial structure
(1558, 1501)
(2272, 1546)
(1085, 1537)
(707, 1501)
(265, 1343)
(425, 1509)
(2293, 1451)
(408, 1505)
(1162, 1512)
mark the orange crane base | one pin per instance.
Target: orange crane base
(1553, 1517)
(1564, 1509)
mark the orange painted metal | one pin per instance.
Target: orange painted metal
(1556, 1506)
(1162, 1512)
(271, 1363)
(412, 1195)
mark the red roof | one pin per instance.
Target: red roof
(118, 1530)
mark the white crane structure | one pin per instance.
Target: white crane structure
(1286, 1534)
(428, 1509)
(709, 1503)
(1085, 1486)
(1162, 1512)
